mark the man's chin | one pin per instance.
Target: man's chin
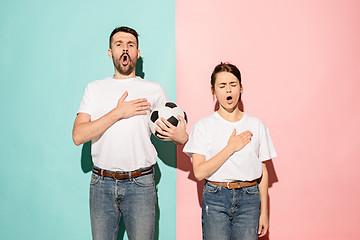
(126, 70)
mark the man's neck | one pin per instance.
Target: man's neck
(121, 76)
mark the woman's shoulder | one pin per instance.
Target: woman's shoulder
(254, 120)
(206, 120)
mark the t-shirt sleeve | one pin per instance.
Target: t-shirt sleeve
(85, 105)
(267, 149)
(196, 142)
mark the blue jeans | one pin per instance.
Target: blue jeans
(230, 213)
(133, 199)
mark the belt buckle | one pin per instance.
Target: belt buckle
(113, 175)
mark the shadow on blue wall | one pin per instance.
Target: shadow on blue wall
(166, 152)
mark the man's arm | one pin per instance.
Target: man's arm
(85, 130)
(176, 134)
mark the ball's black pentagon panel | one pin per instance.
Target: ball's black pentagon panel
(154, 116)
(170, 105)
(173, 120)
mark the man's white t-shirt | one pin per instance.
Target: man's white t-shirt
(211, 134)
(126, 145)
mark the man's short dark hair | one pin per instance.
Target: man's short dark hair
(124, 29)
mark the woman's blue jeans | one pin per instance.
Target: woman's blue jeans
(133, 199)
(230, 213)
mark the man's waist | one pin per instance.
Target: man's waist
(123, 174)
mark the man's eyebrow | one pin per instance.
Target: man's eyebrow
(121, 41)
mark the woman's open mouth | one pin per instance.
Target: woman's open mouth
(229, 100)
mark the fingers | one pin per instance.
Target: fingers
(167, 123)
(123, 97)
(163, 134)
(262, 230)
(263, 226)
(142, 106)
(247, 135)
(181, 120)
(140, 113)
(165, 127)
(139, 101)
(234, 132)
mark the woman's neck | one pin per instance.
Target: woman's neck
(233, 115)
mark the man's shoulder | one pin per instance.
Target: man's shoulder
(99, 81)
(147, 82)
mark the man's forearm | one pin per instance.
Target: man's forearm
(86, 130)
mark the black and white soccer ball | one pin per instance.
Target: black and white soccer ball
(169, 111)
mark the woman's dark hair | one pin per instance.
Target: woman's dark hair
(225, 67)
(127, 30)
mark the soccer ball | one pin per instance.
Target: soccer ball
(169, 111)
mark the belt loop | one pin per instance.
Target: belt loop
(238, 184)
(220, 185)
(102, 174)
(228, 185)
(243, 184)
(130, 177)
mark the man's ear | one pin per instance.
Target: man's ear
(138, 53)
(110, 53)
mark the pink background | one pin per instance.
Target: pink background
(300, 63)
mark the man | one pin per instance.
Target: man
(113, 114)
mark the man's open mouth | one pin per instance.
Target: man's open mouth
(125, 59)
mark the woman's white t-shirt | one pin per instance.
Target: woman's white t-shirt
(211, 134)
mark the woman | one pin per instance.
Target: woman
(235, 196)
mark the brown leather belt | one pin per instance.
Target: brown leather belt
(122, 175)
(232, 185)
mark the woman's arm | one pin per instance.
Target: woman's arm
(203, 169)
(264, 212)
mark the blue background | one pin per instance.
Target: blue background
(49, 52)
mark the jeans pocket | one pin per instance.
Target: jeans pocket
(253, 189)
(94, 179)
(210, 188)
(145, 181)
